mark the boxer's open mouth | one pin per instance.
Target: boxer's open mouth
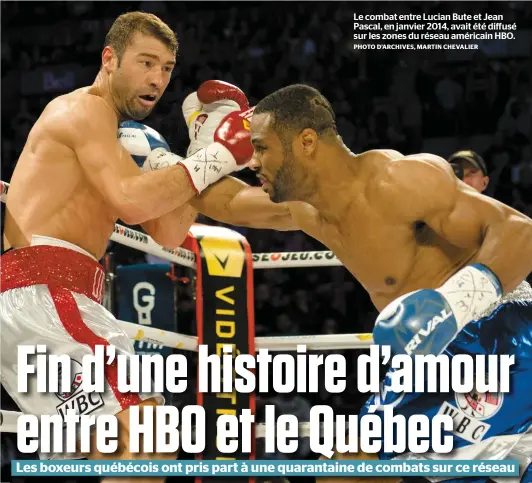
(148, 99)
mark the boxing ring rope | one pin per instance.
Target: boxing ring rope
(287, 343)
(143, 242)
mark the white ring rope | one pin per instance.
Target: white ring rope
(283, 343)
(144, 243)
(135, 239)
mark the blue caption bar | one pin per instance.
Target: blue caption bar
(265, 468)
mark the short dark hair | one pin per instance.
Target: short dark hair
(469, 157)
(127, 24)
(297, 107)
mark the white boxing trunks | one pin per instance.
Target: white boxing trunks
(52, 295)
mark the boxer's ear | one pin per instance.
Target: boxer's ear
(309, 141)
(109, 59)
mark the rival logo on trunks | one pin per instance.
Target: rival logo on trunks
(131, 234)
(297, 256)
(429, 328)
(81, 402)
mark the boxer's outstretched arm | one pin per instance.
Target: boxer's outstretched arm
(499, 236)
(234, 202)
(90, 130)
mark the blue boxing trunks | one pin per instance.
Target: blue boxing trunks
(491, 426)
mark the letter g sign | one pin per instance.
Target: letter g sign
(144, 303)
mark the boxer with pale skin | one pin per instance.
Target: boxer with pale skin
(80, 177)
(420, 241)
(72, 182)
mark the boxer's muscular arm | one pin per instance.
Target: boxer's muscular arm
(136, 198)
(234, 202)
(170, 230)
(427, 190)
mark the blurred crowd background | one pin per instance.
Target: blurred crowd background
(411, 101)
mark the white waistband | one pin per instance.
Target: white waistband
(55, 242)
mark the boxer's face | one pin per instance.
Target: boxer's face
(474, 177)
(274, 162)
(139, 80)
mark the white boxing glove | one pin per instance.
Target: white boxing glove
(230, 151)
(204, 110)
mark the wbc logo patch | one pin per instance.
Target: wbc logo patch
(75, 399)
(480, 405)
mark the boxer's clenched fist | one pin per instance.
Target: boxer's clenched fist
(139, 141)
(230, 151)
(234, 133)
(427, 321)
(204, 109)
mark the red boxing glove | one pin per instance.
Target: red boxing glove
(216, 90)
(234, 133)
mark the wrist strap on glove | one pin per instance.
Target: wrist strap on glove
(470, 292)
(208, 165)
(160, 158)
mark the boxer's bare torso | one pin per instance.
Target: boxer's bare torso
(384, 233)
(388, 255)
(49, 194)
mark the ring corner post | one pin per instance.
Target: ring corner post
(225, 317)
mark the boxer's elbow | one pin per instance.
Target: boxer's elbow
(507, 249)
(130, 214)
(130, 208)
(171, 230)
(528, 244)
(519, 228)
(170, 240)
(522, 268)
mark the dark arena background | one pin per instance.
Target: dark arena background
(436, 99)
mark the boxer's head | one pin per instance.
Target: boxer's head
(286, 131)
(470, 168)
(138, 58)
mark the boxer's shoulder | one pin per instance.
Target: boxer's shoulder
(387, 154)
(88, 107)
(427, 169)
(412, 185)
(427, 159)
(74, 114)
(90, 118)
